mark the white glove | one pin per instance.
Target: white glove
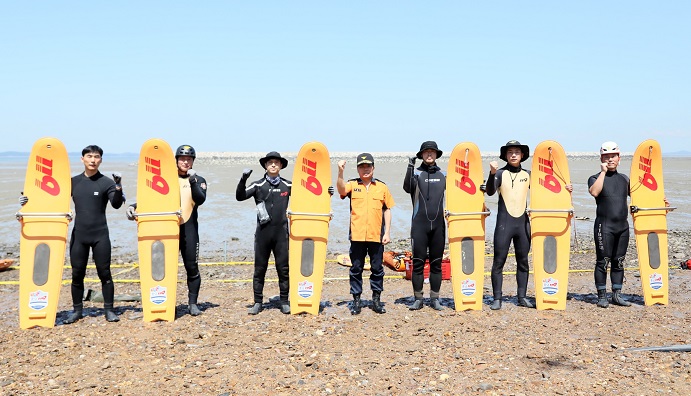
(191, 172)
(131, 212)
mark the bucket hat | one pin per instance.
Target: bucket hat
(429, 145)
(275, 155)
(514, 143)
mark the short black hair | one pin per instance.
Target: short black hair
(92, 148)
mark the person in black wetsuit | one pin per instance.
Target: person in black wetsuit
(513, 224)
(91, 192)
(271, 194)
(611, 190)
(426, 186)
(192, 194)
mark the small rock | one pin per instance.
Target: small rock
(443, 377)
(485, 386)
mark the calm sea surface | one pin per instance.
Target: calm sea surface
(227, 226)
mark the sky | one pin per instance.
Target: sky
(376, 76)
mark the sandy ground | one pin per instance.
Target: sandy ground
(583, 350)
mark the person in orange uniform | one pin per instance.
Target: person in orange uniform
(370, 225)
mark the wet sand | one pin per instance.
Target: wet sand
(583, 350)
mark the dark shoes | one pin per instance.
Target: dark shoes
(77, 314)
(194, 310)
(602, 301)
(524, 302)
(356, 306)
(111, 316)
(376, 303)
(258, 307)
(496, 304)
(74, 316)
(255, 309)
(417, 305)
(617, 299)
(435, 304)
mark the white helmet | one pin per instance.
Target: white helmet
(609, 148)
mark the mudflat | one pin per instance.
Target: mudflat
(582, 350)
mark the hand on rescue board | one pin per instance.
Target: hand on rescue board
(131, 212)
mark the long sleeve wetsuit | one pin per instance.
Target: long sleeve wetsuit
(91, 196)
(611, 229)
(426, 187)
(192, 194)
(512, 225)
(271, 236)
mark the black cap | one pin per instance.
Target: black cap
(514, 143)
(365, 158)
(429, 145)
(276, 155)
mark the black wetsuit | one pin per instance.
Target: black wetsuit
(271, 236)
(611, 228)
(189, 232)
(91, 196)
(426, 187)
(512, 225)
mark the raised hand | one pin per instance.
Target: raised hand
(493, 166)
(117, 177)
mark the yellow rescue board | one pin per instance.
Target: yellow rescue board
(158, 210)
(309, 215)
(650, 221)
(44, 221)
(550, 211)
(466, 213)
